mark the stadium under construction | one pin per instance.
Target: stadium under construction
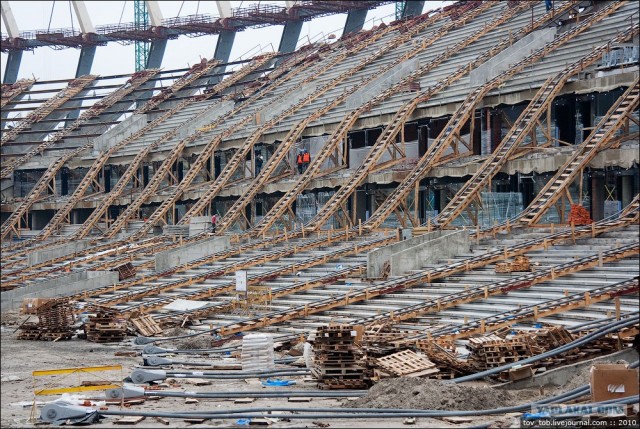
(473, 175)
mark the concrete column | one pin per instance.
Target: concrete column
(355, 21)
(597, 196)
(222, 53)
(412, 8)
(12, 68)
(290, 36)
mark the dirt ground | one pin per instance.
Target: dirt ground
(20, 358)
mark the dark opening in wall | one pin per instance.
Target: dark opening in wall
(566, 119)
(145, 175)
(217, 166)
(372, 135)
(64, 181)
(411, 132)
(107, 178)
(357, 139)
(423, 139)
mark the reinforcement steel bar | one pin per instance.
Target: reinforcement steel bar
(391, 131)
(72, 89)
(525, 124)
(582, 155)
(412, 280)
(136, 80)
(284, 147)
(466, 109)
(502, 287)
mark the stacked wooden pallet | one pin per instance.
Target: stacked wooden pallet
(336, 360)
(407, 363)
(448, 364)
(55, 322)
(492, 351)
(105, 326)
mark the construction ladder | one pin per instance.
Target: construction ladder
(466, 109)
(71, 90)
(392, 130)
(524, 125)
(100, 106)
(582, 155)
(283, 148)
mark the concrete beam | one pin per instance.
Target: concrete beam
(61, 286)
(10, 24)
(355, 21)
(86, 26)
(66, 249)
(173, 258)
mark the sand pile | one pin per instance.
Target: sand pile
(425, 394)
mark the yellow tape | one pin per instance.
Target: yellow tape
(75, 389)
(72, 370)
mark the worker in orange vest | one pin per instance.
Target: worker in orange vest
(299, 162)
(306, 159)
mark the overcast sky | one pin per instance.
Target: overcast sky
(46, 64)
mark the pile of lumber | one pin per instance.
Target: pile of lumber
(520, 263)
(106, 325)
(448, 364)
(55, 322)
(579, 215)
(336, 363)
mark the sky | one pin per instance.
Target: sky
(44, 63)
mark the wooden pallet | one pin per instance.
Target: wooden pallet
(407, 363)
(146, 325)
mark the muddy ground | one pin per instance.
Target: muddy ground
(20, 358)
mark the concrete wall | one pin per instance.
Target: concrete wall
(199, 224)
(357, 156)
(416, 257)
(124, 129)
(61, 286)
(377, 258)
(172, 258)
(57, 251)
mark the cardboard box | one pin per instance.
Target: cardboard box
(29, 305)
(613, 381)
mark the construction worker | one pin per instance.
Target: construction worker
(299, 162)
(214, 221)
(259, 161)
(306, 159)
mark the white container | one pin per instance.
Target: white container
(257, 353)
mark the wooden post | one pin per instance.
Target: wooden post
(573, 232)
(617, 301)
(359, 226)
(553, 227)
(587, 299)
(535, 313)
(482, 326)
(486, 292)
(593, 229)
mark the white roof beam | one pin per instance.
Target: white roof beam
(86, 26)
(224, 9)
(155, 14)
(9, 20)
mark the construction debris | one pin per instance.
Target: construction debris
(520, 263)
(579, 215)
(55, 322)
(145, 325)
(407, 364)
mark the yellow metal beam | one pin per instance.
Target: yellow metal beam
(44, 392)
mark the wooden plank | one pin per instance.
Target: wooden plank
(129, 420)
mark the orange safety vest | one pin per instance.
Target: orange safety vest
(299, 159)
(306, 157)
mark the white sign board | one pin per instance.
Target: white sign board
(241, 281)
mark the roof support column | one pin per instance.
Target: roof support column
(355, 21)
(156, 52)
(412, 8)
(86, 26)
(11, 27)
(222, 54)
